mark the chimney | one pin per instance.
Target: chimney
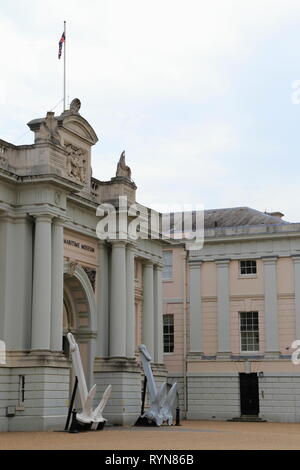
(277, 214)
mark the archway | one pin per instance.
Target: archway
(80, 315)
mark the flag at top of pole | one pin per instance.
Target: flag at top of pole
(62, 43)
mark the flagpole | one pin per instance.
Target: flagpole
(65, 74)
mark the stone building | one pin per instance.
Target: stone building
(57, 276)
(220, 321)
(231, 314)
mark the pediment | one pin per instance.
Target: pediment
(78, 126)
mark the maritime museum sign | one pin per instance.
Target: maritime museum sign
(79, 245)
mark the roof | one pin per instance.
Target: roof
(239, 216)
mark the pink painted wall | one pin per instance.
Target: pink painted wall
(285, 276)
(174, 288)
(247, 286)
(246, 294)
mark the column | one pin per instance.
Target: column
(148, 308)
(195, 307)
(102, 301)
(130, 303)
(41, 296)
(158, 316)
(223, 307)
(20, 317)
(271, 320)
(7, 283)
(57, 284)
(297, 293)
(118, 300)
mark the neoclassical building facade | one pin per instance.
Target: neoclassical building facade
(219, 320)
(232, 312)
(57, 276)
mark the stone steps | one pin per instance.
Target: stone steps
(247, 419)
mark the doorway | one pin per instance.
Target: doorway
(249, 394)
(79, 318)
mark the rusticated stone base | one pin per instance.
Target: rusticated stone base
(45, 396)
(124, 404)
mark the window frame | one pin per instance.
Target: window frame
(171, 334)
(247, 275)
(253, 331)
(168, 279)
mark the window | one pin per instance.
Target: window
(168, 265)
(248, 266)
(21, 390)
(168, 333)
(249, 330)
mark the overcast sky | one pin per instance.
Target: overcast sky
(198, 93)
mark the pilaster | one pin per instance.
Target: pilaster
(158, 316)
(130, 303)
(57, 284)
(296, 260)
(148, 308)
(195, 308)
(118, 300)
(223, 307)
(102, 277)
(271, 314)
(41, 300)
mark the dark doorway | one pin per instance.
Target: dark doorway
(249, 394)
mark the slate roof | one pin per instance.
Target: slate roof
(238, 216)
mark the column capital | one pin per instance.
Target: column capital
(194, 264)
(58, 221)
(269, 259)
(147, 263)
(131, 246)
(222, 262)
(158, 266)
(42, 217)
(118, 243)
(6, 217)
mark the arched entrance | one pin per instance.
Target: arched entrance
(80, 316)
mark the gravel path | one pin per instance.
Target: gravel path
(191, 435)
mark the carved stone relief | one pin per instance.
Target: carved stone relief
(76, 163)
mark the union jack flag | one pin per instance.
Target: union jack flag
(60, 44)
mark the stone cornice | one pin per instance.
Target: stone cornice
(53, 179)
(36, 359)
(211, 237)
(85, 202)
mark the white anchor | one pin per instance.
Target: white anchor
(161, 402)
(87, 415)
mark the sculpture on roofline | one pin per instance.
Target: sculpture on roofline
(88, 415)
(122, 169)
(161, 401)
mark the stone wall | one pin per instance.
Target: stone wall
(279, 398)
(46, 398)
(213, 397)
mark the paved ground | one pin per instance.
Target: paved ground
(191, 435)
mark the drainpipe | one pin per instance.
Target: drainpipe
(185, 287)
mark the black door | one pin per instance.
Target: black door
(249, 394)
